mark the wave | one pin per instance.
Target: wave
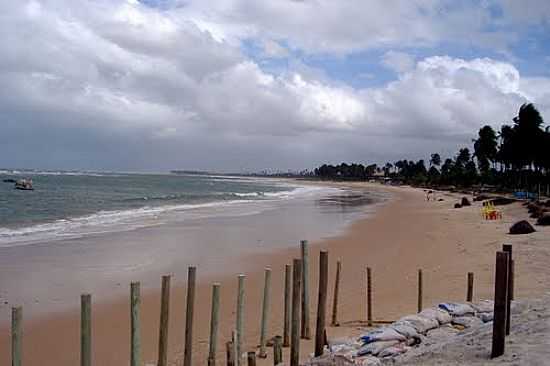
(56, 173)
(106, 221)
(129, 219)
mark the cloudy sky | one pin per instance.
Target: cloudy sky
(240, 85)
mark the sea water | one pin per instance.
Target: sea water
(72, 204)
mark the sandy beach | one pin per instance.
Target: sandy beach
(405, 234)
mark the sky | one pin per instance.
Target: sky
(239, 86)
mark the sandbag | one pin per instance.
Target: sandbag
(440, 315)
(456, 309)
(405, 329)
(368, 361)
(375, 348)
(394, 350)
(485, 317)
(483, 306)
(467, 321)
(382, 334)
(420, 323)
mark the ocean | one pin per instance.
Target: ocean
(73, 204)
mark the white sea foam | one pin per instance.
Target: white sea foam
(121, 220)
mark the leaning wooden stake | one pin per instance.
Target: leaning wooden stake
(470, 293)
(135, 335)
(277, 350)
(501, 295)
(230, 351)
(86, 330)
(189, 315)
(334, 322)
(233, 347)
(369, 297)
(508, 249)
(16, 335)
(265, 312)
(251, 357)
(214, 319)
(305, 330)
(164, 317)
(240, 317)
(287, 305)
(321, 303)
(295, 328)
(419, 290)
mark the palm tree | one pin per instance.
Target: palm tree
(485, 148)
(435, 160)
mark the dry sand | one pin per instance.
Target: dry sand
(406, 234)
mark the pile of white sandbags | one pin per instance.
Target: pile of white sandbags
(430, 325)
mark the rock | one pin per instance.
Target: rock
(538, 213)
(481, 197)
(532, 207)
(465, 202)
(501, 201)
(458, 205)
(522, 227)
(544, 219)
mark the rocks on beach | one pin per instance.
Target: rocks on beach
(544, 219)
(465, 202)
(522, 227)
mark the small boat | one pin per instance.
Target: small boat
(9, 180)
(24, 185)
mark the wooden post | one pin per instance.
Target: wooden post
(369, 297)
(321, 303)
(277, 350)
(334, 322)
(295, 327)
(189, 315)
(230, 351)
(419, 290)
(164, 317)
(470, 292)
(265, 311)
(16, 335)
(135, 335)
(501, 292)
(288, 286)
(214, 319)
(86, 330)
(306, 332)
(240, 317)
(251, 356)
(508, 249)
(512, 281)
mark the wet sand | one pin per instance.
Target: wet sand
(405, 234)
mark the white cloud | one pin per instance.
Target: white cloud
(121, 83)
(273, 49)
(398, 61)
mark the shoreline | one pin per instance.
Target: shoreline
(403, 235)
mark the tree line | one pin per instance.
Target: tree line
(516, 156)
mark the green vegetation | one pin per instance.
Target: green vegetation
(518, 156)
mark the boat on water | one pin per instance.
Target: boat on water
(24, 185)
(9, 180)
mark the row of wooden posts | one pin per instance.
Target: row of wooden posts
(296, 314)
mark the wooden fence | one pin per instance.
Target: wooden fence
(296, 314)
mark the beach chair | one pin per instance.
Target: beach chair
(489, 212)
